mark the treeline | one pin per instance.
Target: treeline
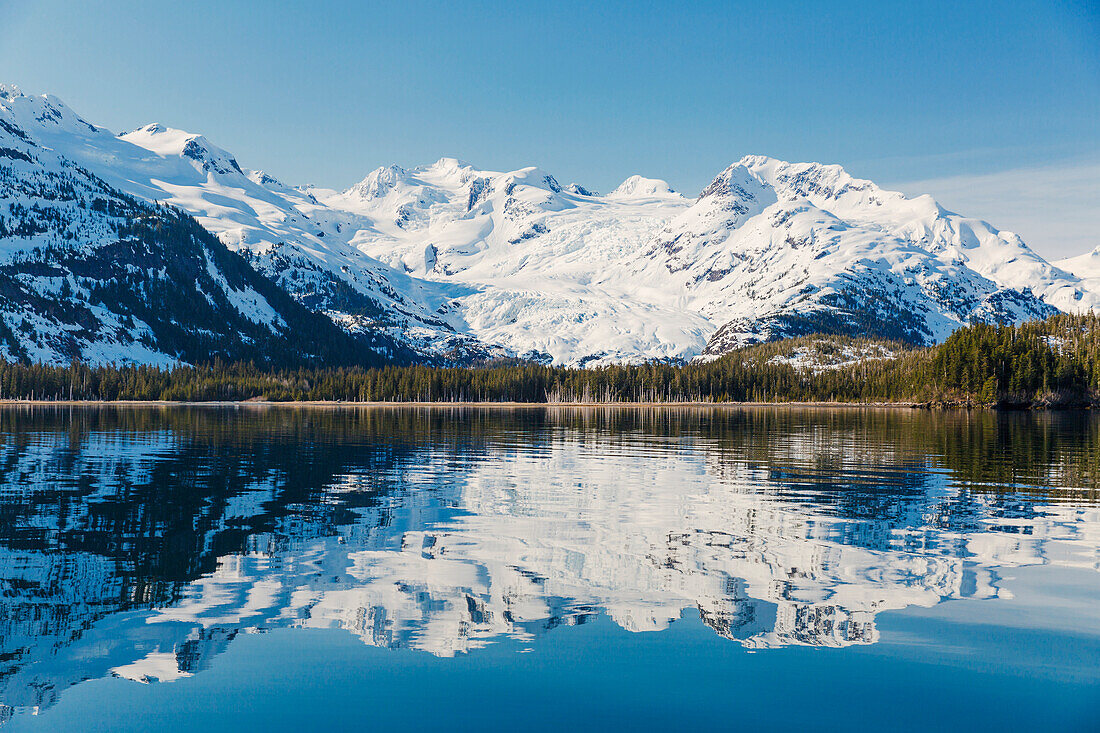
(1056, 361)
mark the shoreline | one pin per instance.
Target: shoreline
(479, 405)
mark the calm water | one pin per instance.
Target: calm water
(548, 569)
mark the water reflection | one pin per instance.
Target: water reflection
(140, 542)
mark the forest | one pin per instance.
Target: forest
(1054, 362)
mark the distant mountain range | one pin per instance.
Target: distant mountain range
(156, 246)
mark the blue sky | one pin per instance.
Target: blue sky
(322, 92)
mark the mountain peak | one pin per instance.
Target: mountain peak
(170, 142)
(530, 176)
(449, 165)
(579, 190)
(264, 178)
(806, 180)
(378, 182)
(153, 128)
(759, 161)
(737, 181)
(10, 91)
(44, 110)
(640, 187)
(160, 138)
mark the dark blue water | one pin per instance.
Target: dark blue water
(548, 569)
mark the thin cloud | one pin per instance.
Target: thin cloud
(1055, 209)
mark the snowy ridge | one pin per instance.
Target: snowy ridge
(998, 255)
(1086, 267)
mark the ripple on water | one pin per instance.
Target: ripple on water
(140, 542)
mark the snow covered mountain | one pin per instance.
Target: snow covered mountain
(768, 250)
(284, 233)
(772, 249)
(93, 274)
(1086, 267)
(543, 264)
(457, 263)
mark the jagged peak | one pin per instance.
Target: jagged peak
(153, 128)
(263, 178)
(579, 190)
(167, 135)
(641, 187)
(448, 165)
(378, 182)
(448, 172)
(736, 180)
(42, 109)
(759, 161)
(828, 185)
(765, 163)
(530, 176)
(811, 179)
(10, 91)
(449, 162)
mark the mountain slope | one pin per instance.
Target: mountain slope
(287, 235)
(1086, 267)
(92, 274)
(1000, 256)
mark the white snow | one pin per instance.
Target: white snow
(822, 356)
(639, 187)
(153, 667)
(249, 303)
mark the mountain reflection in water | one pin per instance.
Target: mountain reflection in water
(139, 542)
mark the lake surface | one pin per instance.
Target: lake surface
(548, 569)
